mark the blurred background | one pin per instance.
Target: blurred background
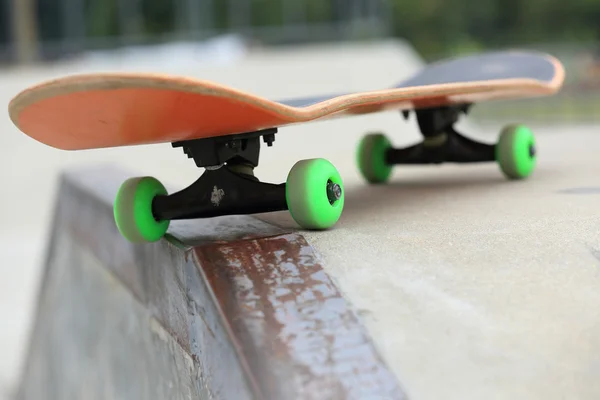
(49, 30)
(257, 45)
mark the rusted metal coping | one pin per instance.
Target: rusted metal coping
(226, 308)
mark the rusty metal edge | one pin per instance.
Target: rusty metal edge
(187, 246)
(297, 336)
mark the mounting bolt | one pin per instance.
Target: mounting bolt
(269, 139)
(233, 145)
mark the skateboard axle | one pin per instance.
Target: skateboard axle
(441, 142)
(221, 192)
(334, 192)
(532, 151)
(228, 185)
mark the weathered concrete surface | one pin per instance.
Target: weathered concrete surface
(231, 309)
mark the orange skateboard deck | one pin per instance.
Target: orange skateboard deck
(109, 110)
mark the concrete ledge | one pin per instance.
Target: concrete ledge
(227, 308)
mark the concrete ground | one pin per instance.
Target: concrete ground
(474, 287)
(471, 286)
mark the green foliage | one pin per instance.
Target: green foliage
(434, 26)
(266, 13)
(159, 16)
(102, 18)
(438, 27)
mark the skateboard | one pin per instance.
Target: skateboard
(221, 128)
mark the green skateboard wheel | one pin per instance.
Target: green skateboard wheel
(133, 210)
(370, 158)
(314, 194)
(516, 152)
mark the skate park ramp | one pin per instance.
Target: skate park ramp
(467, 286)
